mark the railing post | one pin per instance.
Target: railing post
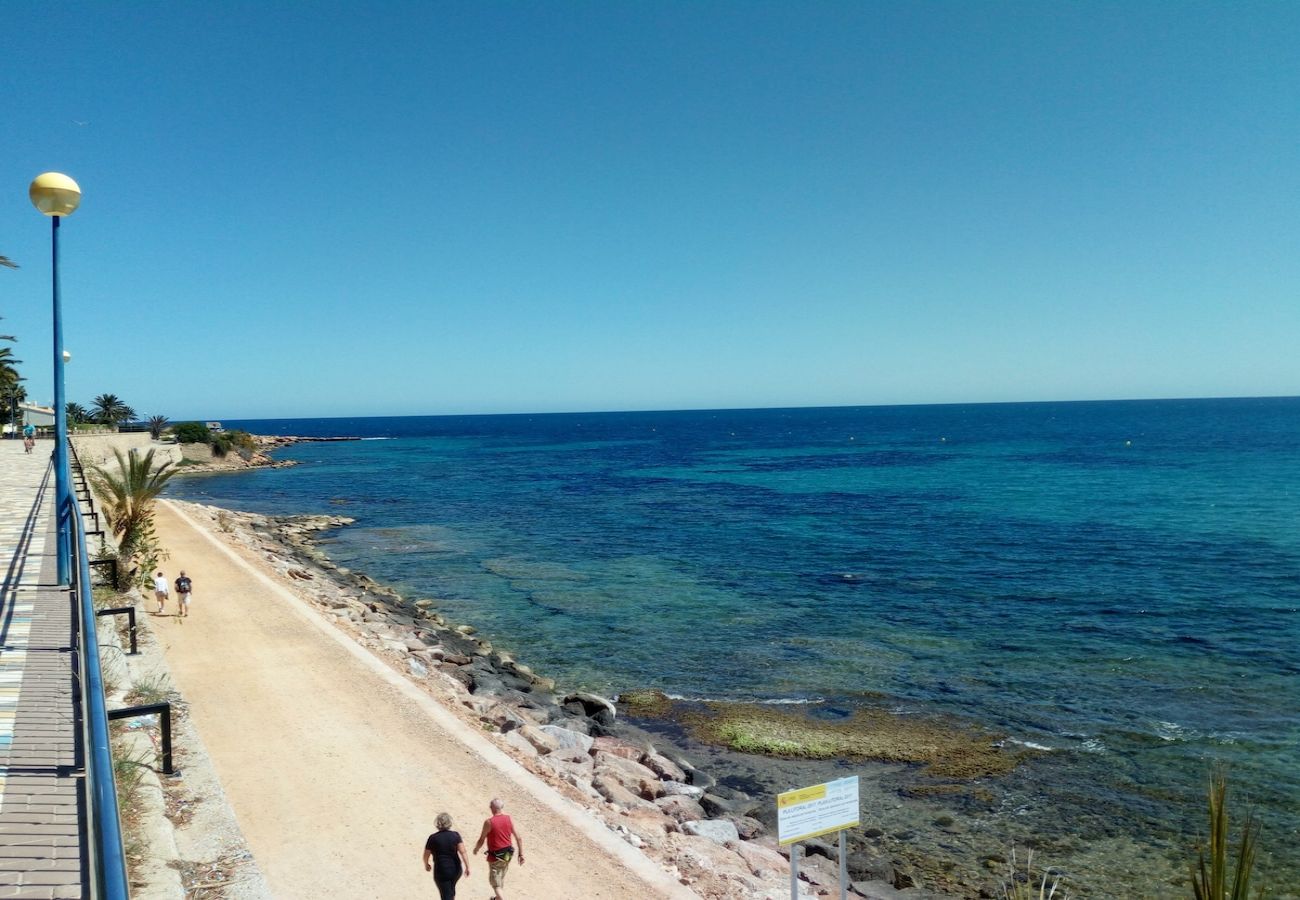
(164, 713)
(129, 611)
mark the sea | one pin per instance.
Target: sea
(1114, 586)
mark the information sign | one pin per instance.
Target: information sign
(817, 810)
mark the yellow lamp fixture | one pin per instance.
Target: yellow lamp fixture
(54, 194)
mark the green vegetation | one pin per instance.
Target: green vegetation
(646, 704)
(191, 433)
(150, 690)
(1210, 878)
(76, 414)
(240, 442)
(156, 426)
(108, 409)
(128, 497)
(944, 749)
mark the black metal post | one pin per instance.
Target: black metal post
(130, 622)
(164, 713)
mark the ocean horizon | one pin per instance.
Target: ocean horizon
(1110, 583)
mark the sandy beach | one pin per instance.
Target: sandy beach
(336, 765)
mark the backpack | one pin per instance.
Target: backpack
(182, 585)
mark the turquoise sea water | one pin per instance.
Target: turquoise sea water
(1117, 582)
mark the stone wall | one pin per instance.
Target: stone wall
(97, 449)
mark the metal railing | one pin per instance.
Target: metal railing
(106, 861)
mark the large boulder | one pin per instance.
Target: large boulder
(567, 738)
(634, 775)
(676, 788)
(613, 790)
(762, 861)
(591, 705)
(720, 831)
(617, 747)
(681, 809)
(662, 766)
(543, 742)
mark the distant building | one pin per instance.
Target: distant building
(214, 427)
(36, 416)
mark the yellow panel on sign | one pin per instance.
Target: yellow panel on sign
(803, 795)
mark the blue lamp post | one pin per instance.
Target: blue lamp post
(57, 196)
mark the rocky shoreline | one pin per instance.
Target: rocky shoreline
(646, 791)
(259, 459)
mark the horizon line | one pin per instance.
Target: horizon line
(719, 409)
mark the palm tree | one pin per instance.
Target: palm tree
(11, 394)
(108, 409)
(76, 413)
(127, 497)
(156, 426)
(8, 263)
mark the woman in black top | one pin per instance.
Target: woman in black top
(449, 859)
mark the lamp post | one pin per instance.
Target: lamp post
(57, 196)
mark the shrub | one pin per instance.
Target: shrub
(191, 433)
(240, 441)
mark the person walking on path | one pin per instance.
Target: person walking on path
(160, 592)
(449, 860)
(183, 587)
(501, 837)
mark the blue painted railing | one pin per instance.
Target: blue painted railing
(107, 860)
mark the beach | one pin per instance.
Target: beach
(336, 762)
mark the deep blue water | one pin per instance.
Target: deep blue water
(1118, 581)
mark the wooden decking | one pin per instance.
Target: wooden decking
(42, 838)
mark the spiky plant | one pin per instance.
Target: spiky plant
(1210, 877)
(1020, 885)
(156, 426)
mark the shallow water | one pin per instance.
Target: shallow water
(1117, 582)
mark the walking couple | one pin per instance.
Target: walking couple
(445, 856)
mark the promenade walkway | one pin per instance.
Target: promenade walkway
(41, 839)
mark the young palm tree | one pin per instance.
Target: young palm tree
(156, 426)
(128, 497)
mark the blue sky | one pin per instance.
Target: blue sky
(420, 208)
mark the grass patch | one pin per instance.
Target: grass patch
(150, 690)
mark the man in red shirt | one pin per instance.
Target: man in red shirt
(502, 839)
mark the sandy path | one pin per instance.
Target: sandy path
(336, 766)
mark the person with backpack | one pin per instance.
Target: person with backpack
(183, 588)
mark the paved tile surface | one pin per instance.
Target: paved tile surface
(41, 844)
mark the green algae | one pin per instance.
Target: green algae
(647, 704)
(943, 749)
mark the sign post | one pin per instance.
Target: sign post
(811, 812)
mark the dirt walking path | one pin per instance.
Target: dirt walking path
(336, 766)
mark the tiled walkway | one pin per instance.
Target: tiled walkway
(40, 767)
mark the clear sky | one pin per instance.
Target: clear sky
(418, 208)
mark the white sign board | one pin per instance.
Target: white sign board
(820, 809)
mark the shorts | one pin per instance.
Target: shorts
(497, 869)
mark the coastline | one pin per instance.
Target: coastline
(610, 758)
(653, 813)
(1070, 838)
